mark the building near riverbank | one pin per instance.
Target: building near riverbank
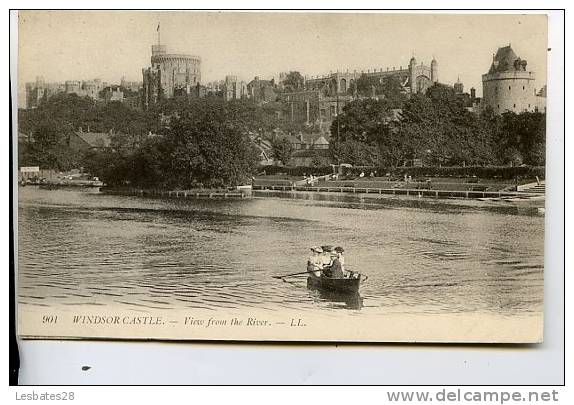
(510, 86)
(81, 141)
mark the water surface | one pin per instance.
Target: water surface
(79, 247)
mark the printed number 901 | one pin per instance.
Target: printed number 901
(49, 319)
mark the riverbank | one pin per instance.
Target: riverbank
(339, 194)
(61, 183)
(532, 206)
(240, 192)
(472, 193)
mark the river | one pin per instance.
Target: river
(84, 248)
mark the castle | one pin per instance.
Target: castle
(323, 98)
(509, 86)
(40, 90)
(416, 78)
(170, 75)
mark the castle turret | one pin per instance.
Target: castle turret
(458, 86)
(508, 86)
(413, 74)
(157, 50)
(434, 70)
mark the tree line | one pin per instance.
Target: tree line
(178, 143)
(205, 144)
(181, 143)
(438, 129)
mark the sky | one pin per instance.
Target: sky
(80, 45)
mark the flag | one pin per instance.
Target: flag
(157, 27)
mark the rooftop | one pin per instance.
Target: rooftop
(96, 139)
(506, 60)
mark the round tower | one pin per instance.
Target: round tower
(508, 86)
(434, 70)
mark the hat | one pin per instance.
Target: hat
(317, 249)
(327, 248)
(339, 249)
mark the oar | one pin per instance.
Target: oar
(294, 274)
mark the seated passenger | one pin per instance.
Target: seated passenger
(337, 267)
(340, 250)
(315, 262)
(327, 256)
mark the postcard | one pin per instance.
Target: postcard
(256, 176)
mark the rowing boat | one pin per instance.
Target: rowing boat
(349, 284)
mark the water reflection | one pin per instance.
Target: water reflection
(337, 299)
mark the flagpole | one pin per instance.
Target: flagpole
(158, 34)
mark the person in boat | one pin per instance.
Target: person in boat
(337, 266)
(339, 252)
(315, 261)
(327, 256)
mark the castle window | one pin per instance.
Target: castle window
(498, 106)
(508, 87)
(514, 105)
(523, 88)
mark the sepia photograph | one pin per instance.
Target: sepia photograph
(280, 176)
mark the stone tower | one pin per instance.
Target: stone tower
(458, 86)
(434, 71)
(508, 86)
(413, 74)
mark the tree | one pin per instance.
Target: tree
(355, 152)
(316, 160)
(367, 86)
(434, 127)
(294, 82)
(282, 150)
(393, 91)
(362, 131)
(523, 135)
